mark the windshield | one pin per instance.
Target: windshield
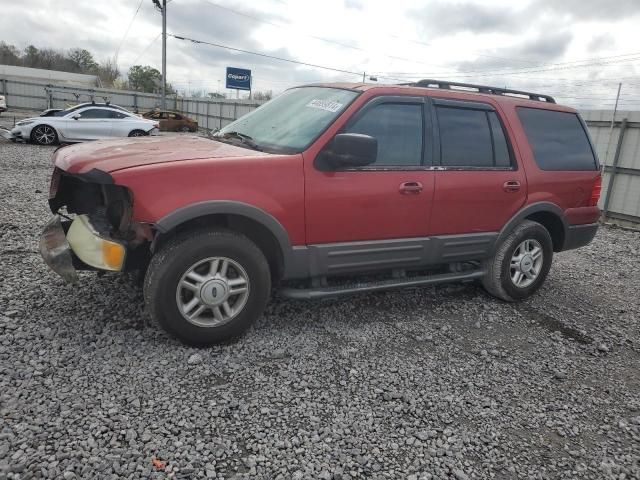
(291, 122)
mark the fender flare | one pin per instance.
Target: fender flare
(227, 207)
(537, 207)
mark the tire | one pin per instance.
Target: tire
(502, 279)
(44, 135)
(137, 133)
(185, 129)
(193, 256)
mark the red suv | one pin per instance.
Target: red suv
(329, 190)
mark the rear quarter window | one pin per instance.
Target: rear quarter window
(558, 139)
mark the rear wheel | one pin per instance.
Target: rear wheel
(207, 287)
(137, 133)
(521, 263)
(44, 135)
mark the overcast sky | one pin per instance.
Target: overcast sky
(524, 44)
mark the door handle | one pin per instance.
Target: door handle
(409, 188)
(511, 186)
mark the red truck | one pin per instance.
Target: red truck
(328, 190)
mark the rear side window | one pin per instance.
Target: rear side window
(471, 138)
(95, 113)
(558, 139)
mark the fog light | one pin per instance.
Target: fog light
(93, 249)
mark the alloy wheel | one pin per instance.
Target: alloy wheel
(212, 292)
(526, 263)
(44, 135)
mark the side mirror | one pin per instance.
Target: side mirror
(76, 116)
(352, 150)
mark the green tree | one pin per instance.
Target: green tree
(266, 95)
(31, 56)
(83, 60)
(9, 55)
(144, 78)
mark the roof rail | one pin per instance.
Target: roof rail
(446, 85)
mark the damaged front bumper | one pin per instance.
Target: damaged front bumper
(7, 134)
(80, 244)
(56, 251)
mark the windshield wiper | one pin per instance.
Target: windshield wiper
(244, 139)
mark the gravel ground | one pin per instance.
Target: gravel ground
(440, 382)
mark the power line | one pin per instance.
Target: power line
(127, 31)
(147, 48)
(181, 37)
(602, 61)
(486, 73)
(327, 40)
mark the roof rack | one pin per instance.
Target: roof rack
(446, 85)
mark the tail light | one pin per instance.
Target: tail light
(595, 191)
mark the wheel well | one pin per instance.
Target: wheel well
(255, 231)
(554, 226)
(42, 125)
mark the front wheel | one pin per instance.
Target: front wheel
(521, 263)
(137, 133)
(44, 135)
(207, 287)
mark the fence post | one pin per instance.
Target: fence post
(208, 105)
(4, 91)
(614, 168)
(235, 111)
(135, 103)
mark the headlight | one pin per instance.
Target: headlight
(25, 122)
(93, 249)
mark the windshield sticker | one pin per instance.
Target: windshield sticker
(327, 105)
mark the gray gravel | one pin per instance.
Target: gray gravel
(440, 382)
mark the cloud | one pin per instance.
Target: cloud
(440, 17)
(353, 4)
(604, 41)
(591, 9)
(543, 48)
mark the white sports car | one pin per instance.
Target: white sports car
(83, 122)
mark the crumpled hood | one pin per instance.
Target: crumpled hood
(112, 155)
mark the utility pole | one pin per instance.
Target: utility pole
(164, 54)
(613, 121)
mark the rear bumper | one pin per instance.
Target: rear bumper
(579, 235)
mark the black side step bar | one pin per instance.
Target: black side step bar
(326, 292)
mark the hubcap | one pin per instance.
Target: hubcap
(526, 263)
(212, 292)
(45, 135)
